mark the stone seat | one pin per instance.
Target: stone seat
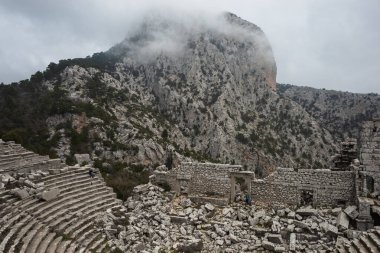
(4, 162)
(64, 244)
(42, 247)
(33, 204)
(27, 239)
(7, 156)
(72, 224)
(96, 244)
(97, 207)
(40, 234)
(52, 247)
(102, 247)
(64, 189)
(73, 205)
(375, 238)
(36, 239)
(69, 181)
(60, 220)
(11, 233)
(368, 244)
(20, 236)
(61, 176)
(359, 246)
(82, 243)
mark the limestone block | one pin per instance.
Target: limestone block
(351, 212)
(5, 178)
(20, 193)
(275, 238)
(209, 207)
(336, 211)
(268, 245)
(53, 172)
(279, 249)
(331, 230)
(306, 211)
(63, 170)
(364, 208)
(139, 247)
(194, 245)
(353, 234)
(30, 184)
(343, 221)
(302, 225)
(82, 158)
(292, 242)
(50, 194)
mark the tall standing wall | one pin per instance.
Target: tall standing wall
(370, 150)
(286, 186)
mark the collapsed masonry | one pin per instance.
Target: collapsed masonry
(353, 183)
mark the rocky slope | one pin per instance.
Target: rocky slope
(203, 90)
(342, 113)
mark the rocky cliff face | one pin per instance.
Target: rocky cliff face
(171, 90)
(341, 113)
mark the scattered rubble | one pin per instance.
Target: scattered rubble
(158, 221)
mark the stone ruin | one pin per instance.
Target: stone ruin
(348, 154)
(351, 184)
(47, 206)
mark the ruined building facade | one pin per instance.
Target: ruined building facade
(352, 183)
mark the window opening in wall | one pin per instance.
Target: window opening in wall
(307, 197)
(376, 218)
(242, 184)
(341, 202)
(374, 129)
(241, 187)
(370, 184)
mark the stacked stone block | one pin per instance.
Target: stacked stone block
(15, 158)
(370, 151)
(286, 185)
(60, 218)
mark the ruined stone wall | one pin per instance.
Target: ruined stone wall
(328, 187)
(370, 150)
(274, 194)
(200, 178)
(210, 179)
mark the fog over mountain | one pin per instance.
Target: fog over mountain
(325, 44)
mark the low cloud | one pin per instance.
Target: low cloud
(324, 43)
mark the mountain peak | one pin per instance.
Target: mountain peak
(179, 39)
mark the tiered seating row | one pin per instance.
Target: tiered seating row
(64, 224)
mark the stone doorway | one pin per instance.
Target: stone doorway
(242, 179)
(370, 184)
(307, 197)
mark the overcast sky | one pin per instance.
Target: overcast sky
(333, 44)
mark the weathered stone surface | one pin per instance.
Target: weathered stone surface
(343, 221)
(195, 245)
(329, 229)
(292, 242)
(275, 238)
(5, 178)
(352, 212)
(20, 193)
(353, 234)
(268, 245)
(82, 158)
(50, 194)
(209, 207)
(308, 211)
